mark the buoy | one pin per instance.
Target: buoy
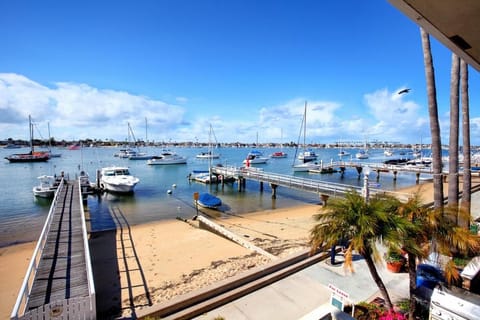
(169, 191)
(174, 185)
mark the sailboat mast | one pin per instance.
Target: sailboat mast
(146, 132)
(305, 126)
(31, 132)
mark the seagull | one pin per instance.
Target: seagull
(403, 91)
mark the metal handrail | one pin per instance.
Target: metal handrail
(88, 262)
(24, 292)
(310, 185)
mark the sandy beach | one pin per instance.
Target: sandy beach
(164, 259)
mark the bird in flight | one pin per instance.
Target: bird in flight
(403, 91)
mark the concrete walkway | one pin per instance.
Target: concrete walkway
(303, 294)
(298, 295)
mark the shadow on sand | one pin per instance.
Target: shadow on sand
(117, 272)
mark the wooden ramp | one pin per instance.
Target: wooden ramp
(59, 281)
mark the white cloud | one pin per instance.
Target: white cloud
(78, 111)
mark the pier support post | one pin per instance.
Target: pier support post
(261, 186)
(378, 175)
(342, 171)
(417, 179)
(395, 175)
(324, 198)
(240, 184)
(274, 190)
(359, 171)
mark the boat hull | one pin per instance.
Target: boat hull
(166, 162)
(44, 193)
(120, 188)
(304, 167)
(117, 179)
(27, 157)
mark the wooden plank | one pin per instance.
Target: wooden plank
(62, 271)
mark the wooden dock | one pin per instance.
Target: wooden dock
(59, 280)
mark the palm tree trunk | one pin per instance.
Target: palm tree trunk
(453, 141)
(412, 276)
(378, 280)
(434, 124)
(467, 173)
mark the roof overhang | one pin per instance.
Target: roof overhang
(453, 23)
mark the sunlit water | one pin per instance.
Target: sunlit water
(22, 215)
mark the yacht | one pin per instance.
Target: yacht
(255, 157)
(46, 188)
(307, 155)
(361, 155)
(167, 157)
(207, 155)
(117, 179)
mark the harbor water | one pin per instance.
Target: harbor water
(164, 191)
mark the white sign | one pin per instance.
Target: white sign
(338, 292)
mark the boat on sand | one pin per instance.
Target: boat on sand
(208, 200)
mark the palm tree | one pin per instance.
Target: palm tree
(434, 124)
(363, 224)
(467, 176)
(454, 130)
(429, 224)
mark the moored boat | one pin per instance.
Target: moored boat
(32, 156)
(207, 155)
(306, 166)
(255, 157)
(117, 179)
(361, 155)
(167, 157)
(279, 154)
(46, 188)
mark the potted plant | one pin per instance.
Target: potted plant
(394, 259)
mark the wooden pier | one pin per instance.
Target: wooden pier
(59, 280)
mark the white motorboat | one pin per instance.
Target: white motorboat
(117, 179)
(46, 188)
(140, 156)
(388, 152)
(207, 155)
(306, 166)
(307, 155)
(255, 157)
(343, 153)
(167, 157)
(361, 155)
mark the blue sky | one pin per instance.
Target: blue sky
(247, 67)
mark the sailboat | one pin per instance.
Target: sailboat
(279, 154)
(362, 154)
(308, 156)
(52, 155)
(32, 156)
(136, 154)
(209, 154)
